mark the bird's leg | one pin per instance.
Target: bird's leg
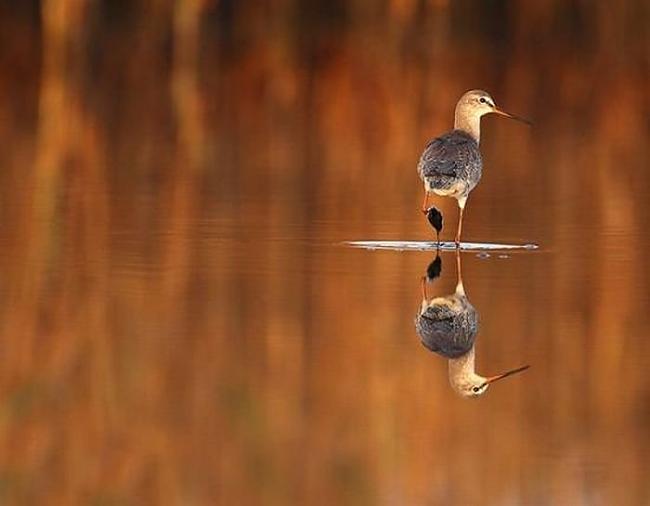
(460, 227)
(461, 206)
(425, 202)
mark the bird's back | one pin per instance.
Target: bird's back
(448, 328)
(451, 164)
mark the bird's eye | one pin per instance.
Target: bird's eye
(476, 390)
(482, 100)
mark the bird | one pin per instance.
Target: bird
(448, 326)
(435, 218)
(451, 164)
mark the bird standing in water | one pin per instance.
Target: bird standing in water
(451, 164)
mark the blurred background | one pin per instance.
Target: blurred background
(179, 322)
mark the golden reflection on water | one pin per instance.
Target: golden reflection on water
(179, 325)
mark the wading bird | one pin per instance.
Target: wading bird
(448, 326)
(451, 164)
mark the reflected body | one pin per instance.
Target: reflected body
(448, 326)
(451, 165)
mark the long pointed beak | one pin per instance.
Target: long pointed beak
(492, 379)
(511, 116)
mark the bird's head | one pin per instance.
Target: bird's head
(474, 385)
(477, 103)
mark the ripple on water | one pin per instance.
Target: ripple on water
(432, 246)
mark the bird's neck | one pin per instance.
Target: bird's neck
(462, 367)
(468, 123)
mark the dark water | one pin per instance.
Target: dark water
(182, 323)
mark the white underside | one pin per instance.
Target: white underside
(457, 191)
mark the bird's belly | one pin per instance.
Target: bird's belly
(456, 189)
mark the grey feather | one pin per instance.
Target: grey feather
(451, 162)
(448, 331)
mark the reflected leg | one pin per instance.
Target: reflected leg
(425, 300)
(460, 288)
(423, 288)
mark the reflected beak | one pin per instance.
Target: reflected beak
(511, 116)
(492, 379)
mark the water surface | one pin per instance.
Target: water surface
(182, 323)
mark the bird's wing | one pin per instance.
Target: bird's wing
(448, 156)
(447, 332)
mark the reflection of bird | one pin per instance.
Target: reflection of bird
(435, 268)
(451, 164)
(448, 326)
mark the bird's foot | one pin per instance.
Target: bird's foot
(435, 219)
(434, 269)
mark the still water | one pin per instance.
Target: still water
(183, 321)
